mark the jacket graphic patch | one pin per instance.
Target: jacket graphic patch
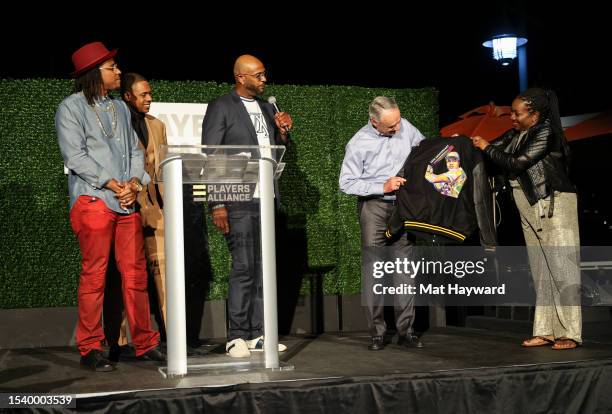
(451, 182)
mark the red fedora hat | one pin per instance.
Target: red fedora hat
(89, 56)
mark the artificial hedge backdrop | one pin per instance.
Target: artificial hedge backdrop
(318, 227)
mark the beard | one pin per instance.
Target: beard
(254, 90)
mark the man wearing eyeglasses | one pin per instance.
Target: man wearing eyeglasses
(243, 118)
(372, 162)
(106, 167)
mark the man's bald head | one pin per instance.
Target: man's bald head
(250, 76)
(247, 64)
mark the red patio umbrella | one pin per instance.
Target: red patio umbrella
(600, 124)
(488, 121)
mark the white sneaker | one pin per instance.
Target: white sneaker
(237, 348)
(257, 345)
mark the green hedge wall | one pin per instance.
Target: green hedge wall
(39, 259)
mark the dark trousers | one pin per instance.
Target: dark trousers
(198, 272)
(373, 217)
(245, 296)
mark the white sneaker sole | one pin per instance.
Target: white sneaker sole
(236, 355)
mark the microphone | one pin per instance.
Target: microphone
(272, 100)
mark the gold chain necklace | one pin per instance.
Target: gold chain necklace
(113, 123)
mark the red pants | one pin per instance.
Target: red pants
(98, 228)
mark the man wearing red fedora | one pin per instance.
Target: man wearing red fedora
(106, 164)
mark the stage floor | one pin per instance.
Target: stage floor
(447, 351)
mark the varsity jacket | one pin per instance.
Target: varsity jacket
(446, 192)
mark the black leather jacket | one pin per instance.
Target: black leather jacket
(539, 162)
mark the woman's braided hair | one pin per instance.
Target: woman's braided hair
(545, 102)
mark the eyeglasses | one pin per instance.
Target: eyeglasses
(258, 75)
(112, 67)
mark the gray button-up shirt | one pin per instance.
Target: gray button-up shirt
(93, 153)
(371, 158)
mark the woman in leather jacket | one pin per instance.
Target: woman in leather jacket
(533, 156)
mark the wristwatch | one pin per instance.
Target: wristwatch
(138, 186)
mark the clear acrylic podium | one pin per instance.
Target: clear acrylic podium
(218, 164)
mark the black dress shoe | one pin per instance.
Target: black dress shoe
(154, 354)
(96, 362)
(378, 343)
(410, 341)
(194, 343)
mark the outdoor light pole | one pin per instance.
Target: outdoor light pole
(505, 48)
(522, 67)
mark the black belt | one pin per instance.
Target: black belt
(379, 198)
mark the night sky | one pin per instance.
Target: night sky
(394, 46)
